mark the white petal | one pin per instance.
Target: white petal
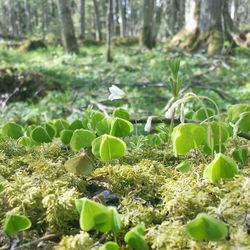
(148, 124)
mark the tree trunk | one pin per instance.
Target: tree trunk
(147, 29)
(27, 15)
(82, 19)
(234, 11)
(97, 22)
(109, 30)
(67, 27)
(206, 26)
(122, 18)
(157, 20)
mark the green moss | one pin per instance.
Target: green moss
(215, 42)
(77, 242)
(150, 192)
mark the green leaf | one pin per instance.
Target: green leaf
(96, 216)
(96, 145)
(222, 167)
(174, 66)
(205, 227)
(110, 245)
(79, 165)
(116, 221)
(104, 126)
(25, 141)
(50, 129)
(40, 135)
(135, 238)
(234, 111)
(76, 124)
(107, 147)
(121, 127)
(187, 136)
(216, 126)
(244, 124)
(241, 154)
(184, 166)
(12, 130)
(81, 138)
(96, 118)
(66, 136)
(200, 114)
(15, 223)
(60, 125)
(207, 149)
(121, 113)
(29, 129)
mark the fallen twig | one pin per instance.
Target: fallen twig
(35, 242)
(157, 120)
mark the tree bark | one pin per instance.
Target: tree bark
(109, 30)
(97, 21)
(82, 19)
(27, 15)
(205, 26)
(122, 9)
(67, 27)
(147, 29)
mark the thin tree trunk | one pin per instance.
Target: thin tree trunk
(122, 18)
(147, 30)
(67, 27)
(97, 22)
(82, 19)
(27, 15)
(109, 31)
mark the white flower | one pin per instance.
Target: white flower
(148, 124)
(116, 93)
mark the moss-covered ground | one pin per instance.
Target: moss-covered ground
(144, 185)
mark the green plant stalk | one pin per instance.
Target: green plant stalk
(219, 119)
(199, 98)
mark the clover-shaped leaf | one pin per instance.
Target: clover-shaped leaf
(81, 138)
(25, 141)
(222, 167)
(135, 238)
(15, 223)
(12, 130)
(50, 129)
(187, 136)
(96, 118)
(241, 154)
(108, 147)
(96, 216)
(76, 124)
(121, 113)
(110, 245)
(80, 164)
(60, 124)
(184, 166)
(121, 127)
(206, 227)
(234, 111)
(66, 136)
(104, 126)
(40, 135)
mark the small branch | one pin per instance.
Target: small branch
(35, 242)
(177, 121)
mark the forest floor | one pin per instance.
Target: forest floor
(144, 185)
(84, 80)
